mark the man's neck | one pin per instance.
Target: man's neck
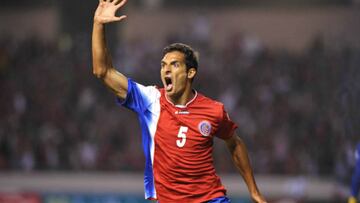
(182, 99)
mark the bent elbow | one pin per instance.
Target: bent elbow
(99, 73)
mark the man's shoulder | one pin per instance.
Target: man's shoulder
(210, 101)
(212, 105)
(147, 88)
(150, 92)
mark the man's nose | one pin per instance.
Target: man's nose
(167, 68)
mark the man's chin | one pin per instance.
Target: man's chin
(170, 94)
(169, 90)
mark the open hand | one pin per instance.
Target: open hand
(106, 11)
(258, 198)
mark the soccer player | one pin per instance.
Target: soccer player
(178, 124)
(355, 181)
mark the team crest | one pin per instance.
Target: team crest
(204, 128)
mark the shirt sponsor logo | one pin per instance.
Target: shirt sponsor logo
(204, 128)
(182, 112)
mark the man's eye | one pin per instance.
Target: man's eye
(176, 65)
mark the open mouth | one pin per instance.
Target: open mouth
(168, 83)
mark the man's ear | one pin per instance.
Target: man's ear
(191, 73)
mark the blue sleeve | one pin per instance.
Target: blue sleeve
(138, 97)
(355, 181)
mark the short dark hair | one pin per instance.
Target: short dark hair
(191, 56)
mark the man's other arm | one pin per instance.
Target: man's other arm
(241, 160)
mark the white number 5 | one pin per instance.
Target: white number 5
(182, 134)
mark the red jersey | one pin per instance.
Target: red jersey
(177, 142)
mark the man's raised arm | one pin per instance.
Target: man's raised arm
(102, 63)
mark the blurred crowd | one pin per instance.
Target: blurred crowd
(291, 108)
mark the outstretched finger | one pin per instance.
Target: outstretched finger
(120, 18)
(116, 2)
(119, 3)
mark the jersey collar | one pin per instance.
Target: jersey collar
(182, 106)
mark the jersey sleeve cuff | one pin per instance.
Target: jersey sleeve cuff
(122, 102)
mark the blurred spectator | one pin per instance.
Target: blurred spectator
(54, 115)
(355, 181)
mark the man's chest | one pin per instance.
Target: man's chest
(186, 128)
